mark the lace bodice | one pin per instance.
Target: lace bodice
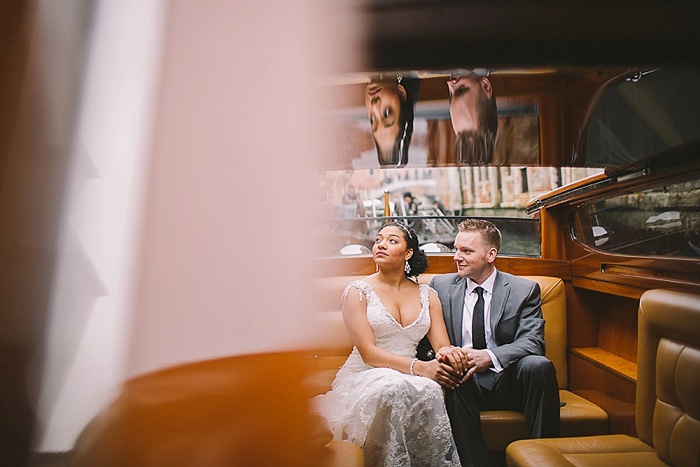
(388, 333)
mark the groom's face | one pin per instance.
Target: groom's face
(473, 256)
(469, 97)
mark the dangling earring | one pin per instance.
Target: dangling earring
(399, 77)
(407, 268)
(376, 267)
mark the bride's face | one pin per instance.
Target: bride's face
(390, 248)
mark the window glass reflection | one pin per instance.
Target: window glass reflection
(474, 116)
(459, 120)
(662, 221)
(642, 114)
(433, 200)
(389, 103)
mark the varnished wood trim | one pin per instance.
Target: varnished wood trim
(609, 390)
(608, 287)
(551, 232)
(617, 326)
(551, 131)
(441, 264)
(634, 271)
(571, 186)
(346, 266)
(608, 361)
(690, 278)
(535, 267)
(582, 315)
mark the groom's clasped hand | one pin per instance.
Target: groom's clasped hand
(454, 367)
(457, 364)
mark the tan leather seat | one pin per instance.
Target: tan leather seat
(667, 401)
(229, 411)
(579, 417)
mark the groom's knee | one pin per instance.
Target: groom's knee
(536, 368)
(466, 394)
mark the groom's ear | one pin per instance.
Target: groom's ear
(491, 255)
(486, 86)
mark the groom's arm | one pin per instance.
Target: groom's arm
(529, 336)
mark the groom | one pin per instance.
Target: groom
(496, 318)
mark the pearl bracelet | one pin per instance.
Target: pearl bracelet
(413, 362)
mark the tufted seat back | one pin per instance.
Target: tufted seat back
(667, 402)
(668, 384)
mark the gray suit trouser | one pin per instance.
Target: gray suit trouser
(529, 385)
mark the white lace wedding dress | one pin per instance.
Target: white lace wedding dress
(398, 419)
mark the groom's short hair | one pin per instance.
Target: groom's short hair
(488, 230)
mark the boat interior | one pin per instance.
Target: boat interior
(593, 179)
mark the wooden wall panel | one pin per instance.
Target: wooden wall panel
(551, 131)
(602, 320)
(552, 238)
(617, 330)
(612, 392)
(582, 307)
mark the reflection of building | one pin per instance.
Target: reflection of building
(457, 188)
(500, 187)
(355, 200)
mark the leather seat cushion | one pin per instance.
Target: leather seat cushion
(579, 417)
(606, 450)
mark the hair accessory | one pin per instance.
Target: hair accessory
(407, 268)
(399, 77)
(401, 226)
(413, 362)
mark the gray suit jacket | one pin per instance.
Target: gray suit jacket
(516, 316)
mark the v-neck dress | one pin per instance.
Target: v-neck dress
(398, 419)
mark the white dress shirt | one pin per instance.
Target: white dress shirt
(470, 299)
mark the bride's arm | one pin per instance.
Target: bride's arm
(355, 317)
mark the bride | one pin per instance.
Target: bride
(383, 398)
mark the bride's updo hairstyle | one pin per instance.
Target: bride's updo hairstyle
(418, 261)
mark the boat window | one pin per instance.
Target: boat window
(660, 221)
(434, 147)
(640, 114)
(433, 200)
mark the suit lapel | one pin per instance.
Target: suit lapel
(457, 310)
(501, 290)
